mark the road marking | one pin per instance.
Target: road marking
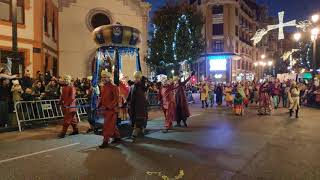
(195, 115)
(36, 153)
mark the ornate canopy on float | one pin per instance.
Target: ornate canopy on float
(117, 35)
(113, 42)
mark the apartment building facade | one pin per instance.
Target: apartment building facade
(38, 36)
(229, 26)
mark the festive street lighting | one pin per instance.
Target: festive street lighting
(255, 64)
(270, 63)
(315, 18)
(314, 33)
(263, 56)
(297, 36)
(172, 71)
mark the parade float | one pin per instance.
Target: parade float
(114, 42)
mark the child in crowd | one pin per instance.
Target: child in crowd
(16, 91)
(238, 104)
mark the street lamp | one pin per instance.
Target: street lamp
(297, 36)
(263, 56)
(314, 33)
(255, 64)
(315, 18)
(314, 36)
(270, 63)
(172, 71)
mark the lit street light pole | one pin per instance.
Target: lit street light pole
(314, 35)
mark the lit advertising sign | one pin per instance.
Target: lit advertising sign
(218, 63)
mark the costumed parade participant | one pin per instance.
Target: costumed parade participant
(168, 103)
(276, 95)
(264, 100)
(211, 93)
(228, 95)
(294, 99)
(182, 108)
(238, 104)
(138, 105)
(219, 94)
(91, 112)
(204, 93)
(123, 95)
(109, 103)
(68, 101)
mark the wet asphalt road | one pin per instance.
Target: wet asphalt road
(217, 145)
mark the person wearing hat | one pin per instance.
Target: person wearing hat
(68, 102)
(109, 103)
(294, 99)
(138, 104)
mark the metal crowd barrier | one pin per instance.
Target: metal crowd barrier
(44, 110)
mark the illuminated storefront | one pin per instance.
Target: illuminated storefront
(220, 67)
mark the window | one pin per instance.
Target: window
(238, 64)
(17, 64)
(99, 19)
(53, 25)
(5, 11)
(237, 47)
(45, 18)
(237, 30)
(243, 65)
(218, 46)
(217, 9)
(217, 29)
(236, 11)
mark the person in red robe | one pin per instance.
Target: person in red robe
(109, 103)
(168, 103)
(68, 102)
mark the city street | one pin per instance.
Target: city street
(217, 145)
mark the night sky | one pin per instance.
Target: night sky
(294, 9)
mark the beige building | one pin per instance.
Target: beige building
(79, 18)
(55, 35)
(229, 26)
(38, 34)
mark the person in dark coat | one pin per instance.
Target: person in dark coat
(182, 108)
(138, 104)
(219, 94)
(26, 81)
(4, 102)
